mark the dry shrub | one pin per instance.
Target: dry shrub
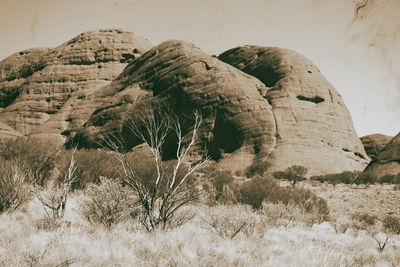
(181, 217)
(365, 218)
(294, 174)
(36, 158)
(257, 168)
(221, 188)
(254, 191)
(14, 190)
(109, 203)
(392, 224)
(265, 189)
(229, 221)
(91, 164)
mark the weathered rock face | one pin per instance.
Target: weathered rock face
(294, 116)
(374, 143)
(6, 132)
(35, 84)
(387, 161)
(257, 103)
(237, 121)
(314, 127)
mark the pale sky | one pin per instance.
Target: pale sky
(360, 57)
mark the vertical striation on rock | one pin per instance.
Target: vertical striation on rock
(314, 127)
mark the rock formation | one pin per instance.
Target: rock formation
(374, 143)
(7, 132)
(387, 161)
(292, 116)
(313, 126)
(257, 103)
(237, 121)
(35, 84)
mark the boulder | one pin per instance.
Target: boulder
(35, 84)
(313, 126)
(374, 143)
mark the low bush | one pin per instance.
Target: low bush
(265, 189)
(229, 222)
(347, 177)
(257, 168)
(388, 179)
(365, 218)
(366, 178)
(90, 165)
(254, 191)
(293, 174)
(223, 189)
(392, 224)
(108, 203)
(36, 158)
(14, 190)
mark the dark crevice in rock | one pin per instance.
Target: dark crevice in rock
(82, 62)
(8, 99)
(315, 100)
(346, 149)
(226, 135)
(266, 74)
(358, 154)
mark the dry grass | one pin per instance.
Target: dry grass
(346, 200)
(276, 238)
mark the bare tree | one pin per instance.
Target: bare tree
(55, 198)
(168, 190)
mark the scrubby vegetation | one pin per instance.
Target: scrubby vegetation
(358, 178)
(134, 209)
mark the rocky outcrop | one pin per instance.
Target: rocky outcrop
(238, 123)
(292, 116)
(313, 126)
(6, 132)
(257, 103)
(35, 84)
(374, 143)
(387, 161)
